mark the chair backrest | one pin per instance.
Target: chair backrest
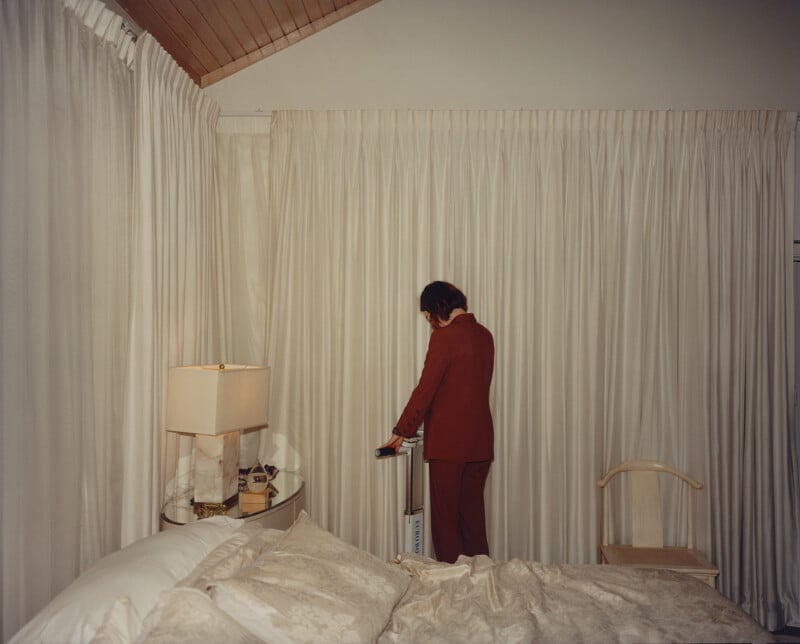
(647, 525)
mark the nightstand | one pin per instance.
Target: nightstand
(280, 513)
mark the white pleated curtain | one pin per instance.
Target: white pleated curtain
(635, 269)
(176, 275)
(65, 192)
(98, 296)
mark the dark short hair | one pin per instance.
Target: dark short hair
(440, 298)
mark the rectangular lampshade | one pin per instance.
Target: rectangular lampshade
(210, 400)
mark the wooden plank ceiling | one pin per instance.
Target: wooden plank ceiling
(212, 39)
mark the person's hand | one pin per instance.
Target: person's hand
(395, 442)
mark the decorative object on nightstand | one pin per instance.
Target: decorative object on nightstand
(250, 502)
(214, 403)
(259, 490)
(271, 471)
(257, 478)
(647, 549)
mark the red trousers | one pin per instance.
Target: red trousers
(458, 520)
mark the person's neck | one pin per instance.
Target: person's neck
(453, 315)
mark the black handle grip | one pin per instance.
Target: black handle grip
(385, 451)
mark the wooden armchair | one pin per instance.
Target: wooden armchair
(647, 549)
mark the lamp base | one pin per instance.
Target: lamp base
(204, 510)
(216, 467)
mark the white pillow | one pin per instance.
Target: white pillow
(140, 572)
(312, 587)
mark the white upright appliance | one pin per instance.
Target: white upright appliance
(415, 502)
(413, 512)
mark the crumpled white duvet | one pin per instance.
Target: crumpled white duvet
(305, 585)
(481, 600)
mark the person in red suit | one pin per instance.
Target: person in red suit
(452, 398)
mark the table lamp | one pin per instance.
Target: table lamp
(214, 403)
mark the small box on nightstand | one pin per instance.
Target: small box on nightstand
(253, 501)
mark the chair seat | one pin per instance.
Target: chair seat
(687, 560)
(647, 524)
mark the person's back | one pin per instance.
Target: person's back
(458, 425)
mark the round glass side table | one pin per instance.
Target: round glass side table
(280, 512)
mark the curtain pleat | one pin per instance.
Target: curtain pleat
(635, 270)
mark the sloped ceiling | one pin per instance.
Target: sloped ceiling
(212, 39)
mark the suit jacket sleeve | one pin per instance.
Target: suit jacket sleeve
(433, 372)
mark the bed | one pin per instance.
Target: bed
(223, 580)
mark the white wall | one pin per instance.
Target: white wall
(494, 54)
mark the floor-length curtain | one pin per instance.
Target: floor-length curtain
(65, 192)
(175, 275)
(635, 268)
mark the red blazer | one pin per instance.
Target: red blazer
(452, 395)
